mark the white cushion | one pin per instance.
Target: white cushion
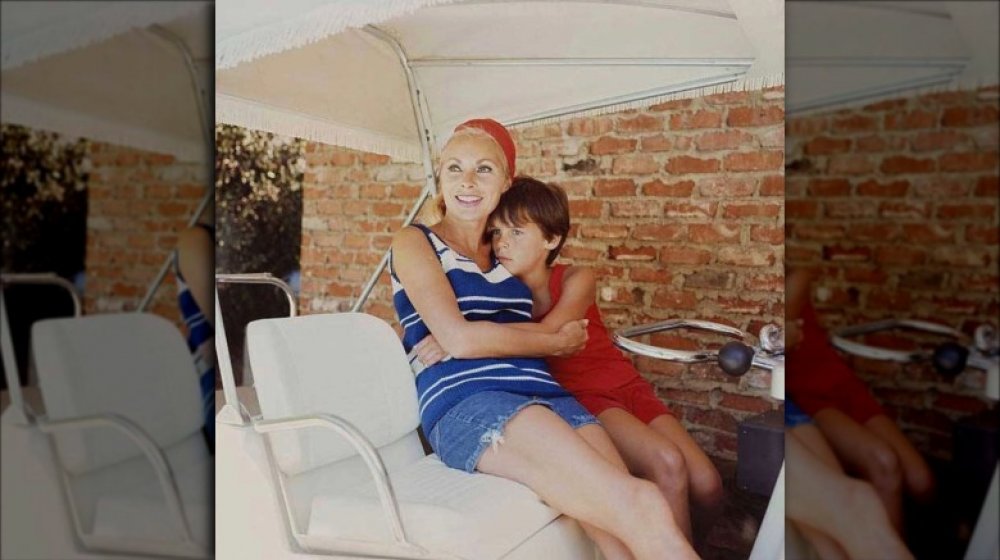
(133, 364)
(348, 364)
(127, 500)
(444, 510)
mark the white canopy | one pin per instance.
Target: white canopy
(109, 71)
(841, 53)
(312, 69)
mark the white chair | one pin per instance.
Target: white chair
(123, 409)
(339, 413)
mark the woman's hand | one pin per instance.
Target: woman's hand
(429, 352)
(572, 337)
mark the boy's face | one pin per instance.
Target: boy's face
(520, 249)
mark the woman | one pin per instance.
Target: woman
(489, 409)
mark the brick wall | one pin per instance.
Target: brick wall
(679, 207)
(896, 203)
(138, 202)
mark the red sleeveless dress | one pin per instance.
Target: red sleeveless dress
(817, 377)
(599, 375)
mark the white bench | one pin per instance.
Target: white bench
(339, 416)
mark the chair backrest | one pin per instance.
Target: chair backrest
(136, 365)
(351, 365)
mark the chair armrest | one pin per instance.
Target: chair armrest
(365, 449)
(143, 441)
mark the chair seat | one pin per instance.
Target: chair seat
(129, 503)
(444, 510)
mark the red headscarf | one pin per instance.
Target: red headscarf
(498, 133)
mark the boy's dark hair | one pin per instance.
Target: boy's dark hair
(532, 201)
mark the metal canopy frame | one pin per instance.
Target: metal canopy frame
(173, 41)
(732, 69)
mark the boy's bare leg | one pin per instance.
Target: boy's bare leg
(543, 452)
(861, 451)
(916, 472)
(705, 483)
(812, 439)
(652, 456)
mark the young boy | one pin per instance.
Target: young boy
(527, 230)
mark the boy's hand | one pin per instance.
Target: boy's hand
(572, 336)
(429, 352)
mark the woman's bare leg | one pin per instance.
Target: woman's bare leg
(862, 451)
(611, 547)
(848, 510)
(543, 452)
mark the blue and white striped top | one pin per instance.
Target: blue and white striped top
(201, 343)
(496, 296)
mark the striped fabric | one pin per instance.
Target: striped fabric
(495, 296)
(201, 343)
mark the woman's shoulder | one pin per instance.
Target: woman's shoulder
(410, 237)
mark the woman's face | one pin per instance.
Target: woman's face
(472, 177)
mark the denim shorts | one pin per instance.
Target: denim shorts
(462, 435)
(795, 416)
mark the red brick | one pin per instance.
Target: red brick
(767, 234)
(603, 231)
(623, 253)
(588, 126)
(673, 300)
(968, 116)
(871, 143)
(690, 210)
(824, 145)
(801, 209)
(818, 231)
(984, 235)
(890, 189)
(659, 232)
(611, 145)
(727, 186)
(962, 211)
(841, 253)
(586, 208)
(829, 187)
(727, 98)
(988, 187)
(640, 123)
(580, 253)
(722, 140)
(739, 256)
(614, 187)
(671, 105)
(341, 159)
(854, 123)
(374, 159)
(709, 280)
(634, 208)
(752, 210)
(937, 140)
(884, 105)
(910, 120)
(849, 164)
(679, 255)
(968, 162)
(873, 232)
(899, 210)
(905, 164)
(754, 161)
(928, 233)
(643, 274)
(657, 143)
(900, 255)
(714, 233)
(755, 116)
(696, 119)
(680, 165)
(714, 419)
(772, 185)
(634, 165)
(744, 403)
(659, 188)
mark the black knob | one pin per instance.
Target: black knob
(735, 358)
(949, 359)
